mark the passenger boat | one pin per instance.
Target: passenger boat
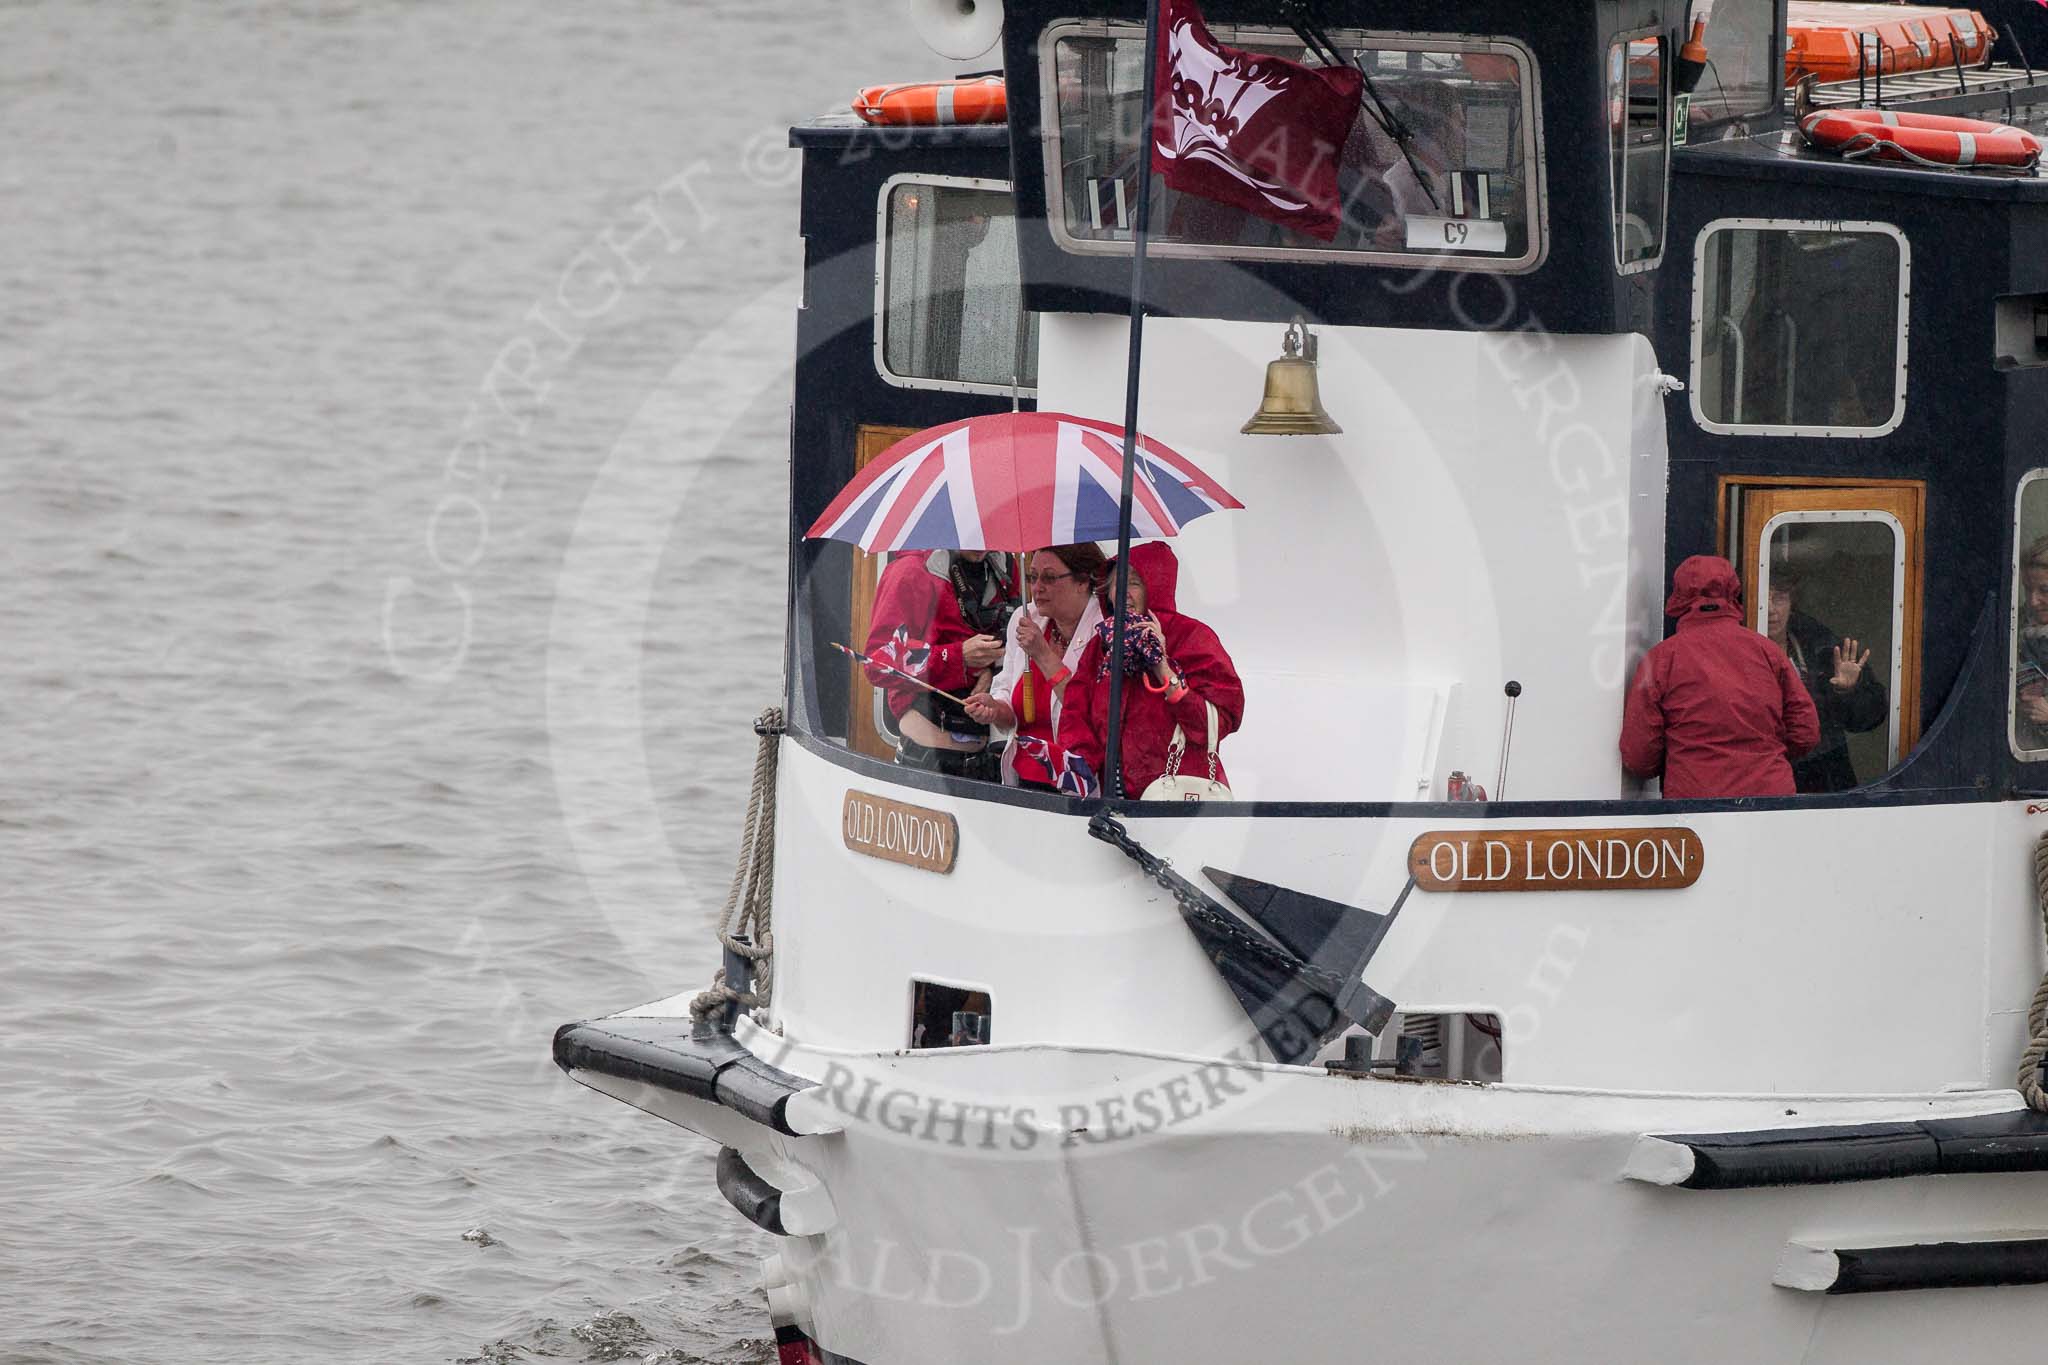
(1344, 1066)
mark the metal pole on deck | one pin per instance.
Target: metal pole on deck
(1112, 758)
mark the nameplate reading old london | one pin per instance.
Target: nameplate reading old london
(1557, 860)
(910, 835)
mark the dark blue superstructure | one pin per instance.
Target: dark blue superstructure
(1970, 426)
(1575, 289)
(838, 387)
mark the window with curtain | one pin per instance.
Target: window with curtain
(951, 307)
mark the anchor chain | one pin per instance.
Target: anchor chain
(1227, 928)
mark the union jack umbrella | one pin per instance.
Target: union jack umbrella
(1016, 481)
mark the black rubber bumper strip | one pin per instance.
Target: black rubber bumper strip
(662, 1053)
(2013, 1141)
(1940, 1265)
(759, 1202)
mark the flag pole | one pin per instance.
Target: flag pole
(910, 678)
(1112, 758)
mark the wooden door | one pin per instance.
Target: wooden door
(1857, 548)
(869, 441)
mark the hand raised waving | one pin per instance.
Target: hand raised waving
(1848, 665)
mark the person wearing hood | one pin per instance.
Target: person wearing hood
(1176, 669)
(1716, 710)
(942, 609)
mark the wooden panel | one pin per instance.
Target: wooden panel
(1665, 859)
(869, 442)
(899, 833)
(1905, 500)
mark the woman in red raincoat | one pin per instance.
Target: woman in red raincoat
(1717, 709)
(1192, 673)
(1044, 647)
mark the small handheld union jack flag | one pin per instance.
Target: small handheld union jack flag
(1142, 653)
(1070, 772)
(912, 658)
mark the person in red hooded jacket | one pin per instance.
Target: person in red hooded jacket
(939, 614)
(1716, 710)
(1192, 672)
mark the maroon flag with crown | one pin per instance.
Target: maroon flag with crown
(1257, 132)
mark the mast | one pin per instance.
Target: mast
(1112, 760)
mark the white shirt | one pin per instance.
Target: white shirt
(1015, 661)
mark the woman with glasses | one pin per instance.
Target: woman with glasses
(1039, 657)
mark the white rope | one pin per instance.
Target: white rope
(746, 925)
(2029, 1082)
(1869, 145)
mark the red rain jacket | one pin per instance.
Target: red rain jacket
(910, 594)
(1194, 652)
(1717, 709)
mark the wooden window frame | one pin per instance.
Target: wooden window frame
(861, 735)
(1907, 503)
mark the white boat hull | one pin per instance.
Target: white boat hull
(1259, 1212)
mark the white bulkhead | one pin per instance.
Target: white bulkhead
(1820, 951)
(1494, 510)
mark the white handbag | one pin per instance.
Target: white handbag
(1174, 787)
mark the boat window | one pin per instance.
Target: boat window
(1833, 598)
(1467, 195)
(949, 311)
(1744, 68)
(2027, 713)
(1639, 144)
(1827, 563)
(949, 1016)
(1799, 329)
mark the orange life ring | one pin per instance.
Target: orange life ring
(981, 99)
(1924, 139)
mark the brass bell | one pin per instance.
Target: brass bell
(1293, 405)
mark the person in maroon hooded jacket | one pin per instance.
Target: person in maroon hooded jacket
(1192, 672)
(1717, 709)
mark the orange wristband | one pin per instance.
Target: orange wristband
(1056, 679)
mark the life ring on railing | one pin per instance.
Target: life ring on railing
(1922, 139)
(979, 99)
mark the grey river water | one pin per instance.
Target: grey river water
(393, 407)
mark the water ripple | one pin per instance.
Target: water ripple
(286, 932)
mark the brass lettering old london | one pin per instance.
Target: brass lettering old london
(900, 833)
(1664, 859)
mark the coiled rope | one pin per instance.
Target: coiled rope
(746, 927)
(1867, 144)
(2029, 1081)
